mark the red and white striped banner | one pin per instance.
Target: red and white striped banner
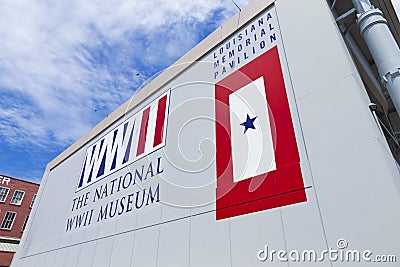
(136, 137)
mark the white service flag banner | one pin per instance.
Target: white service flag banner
(251, 135)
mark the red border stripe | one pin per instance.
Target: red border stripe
(143, 131)
(277, 188)
(159, 131)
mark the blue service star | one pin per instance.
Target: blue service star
(249, 123)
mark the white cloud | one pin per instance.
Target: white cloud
(61, 60)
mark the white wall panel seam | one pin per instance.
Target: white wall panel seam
(133, 241)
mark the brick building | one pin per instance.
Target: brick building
(16, 201)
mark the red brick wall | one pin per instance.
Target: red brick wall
(22, 210)
(5, 258)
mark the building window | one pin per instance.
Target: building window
(3, 193)
(26, 221)
(33, 200)
(8, 220)
(17, 197)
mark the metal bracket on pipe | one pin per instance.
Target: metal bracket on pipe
(340, 19)
(390, 75)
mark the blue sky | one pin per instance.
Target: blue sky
(65, 65)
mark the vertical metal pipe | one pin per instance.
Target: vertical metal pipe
(362, 5)
(382, 45)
